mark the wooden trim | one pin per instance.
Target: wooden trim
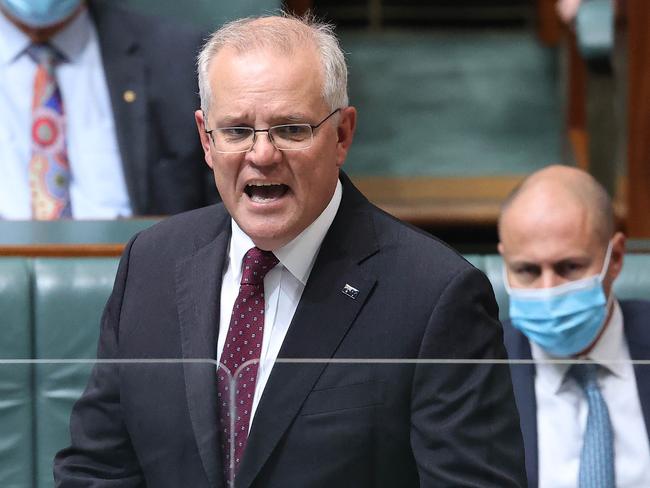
(576, 93)
(431, 202)
(298, 7)
(549, 25)
(579, 140)
(638, 49)
(63, 250)
(437, 189)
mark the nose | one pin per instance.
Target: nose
(549, 279)
(263, 151)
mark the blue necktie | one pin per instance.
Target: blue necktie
(597, 456)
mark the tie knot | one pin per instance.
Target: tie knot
(585, 375)
(44, 54)
(255, 265)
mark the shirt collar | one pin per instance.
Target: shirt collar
(70, 42)
(611, 346)
(611, 349)
(297, 256)
(13, 41)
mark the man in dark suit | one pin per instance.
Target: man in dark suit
(562, 255)
(145, 156)
(335, 311)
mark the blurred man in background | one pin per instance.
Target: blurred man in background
(584, 425)
(88, 126)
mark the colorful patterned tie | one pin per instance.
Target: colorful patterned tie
(243, 344)
(597, 456)
(49, 170)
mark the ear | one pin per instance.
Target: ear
(345, 133)
(199, 117)
(500, 248)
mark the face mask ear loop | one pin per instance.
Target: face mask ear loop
(608, 256)
(608, 305)
(601, 277)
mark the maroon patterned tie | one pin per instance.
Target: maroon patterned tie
(236, 384)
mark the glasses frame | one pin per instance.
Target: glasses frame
(268, 133)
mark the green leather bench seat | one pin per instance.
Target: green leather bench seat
(16, 431)
(69, 296)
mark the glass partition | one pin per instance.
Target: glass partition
(429, 419)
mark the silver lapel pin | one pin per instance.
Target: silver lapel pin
(350, 291)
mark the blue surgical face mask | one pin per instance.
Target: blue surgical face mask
(40, 13)
(563, 320)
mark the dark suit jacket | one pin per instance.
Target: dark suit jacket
(317, 424)
(635, 326)
(162, 157)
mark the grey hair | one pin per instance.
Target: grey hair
(281, 33)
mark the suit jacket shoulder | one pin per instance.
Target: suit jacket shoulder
(426, 258)
(636, 314)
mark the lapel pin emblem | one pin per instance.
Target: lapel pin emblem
(350, 291)
(129, 96)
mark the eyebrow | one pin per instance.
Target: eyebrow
(294, 117)
(231, 120)
(518, 264)
(568, 259)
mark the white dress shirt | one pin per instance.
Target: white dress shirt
(98, 189)
(283, 286)
(562, 414)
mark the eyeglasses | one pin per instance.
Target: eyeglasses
(286, 137)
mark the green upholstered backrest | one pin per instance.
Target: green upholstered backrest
(477, 260)
(205, 13)
(493, 270)
(23, 233)
(16, 432)
(69, 296)
(634, 280)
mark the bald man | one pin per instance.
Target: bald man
(562, 256)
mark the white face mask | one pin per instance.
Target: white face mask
(563, 320)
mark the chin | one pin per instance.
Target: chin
(267, 237)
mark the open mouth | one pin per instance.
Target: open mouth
(265, 192)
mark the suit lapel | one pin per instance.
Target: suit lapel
(634, 325)
(320, 323)
(523, 384)
(124, 68)
(198, 281)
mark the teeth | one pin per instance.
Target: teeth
(264, 184)
(262, 192)
(261, 199)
